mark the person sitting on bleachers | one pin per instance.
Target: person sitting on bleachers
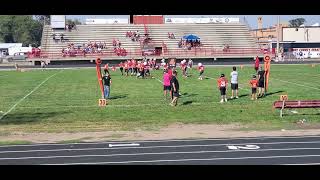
(114, 43)
(118, 43)
(54, 36)
(171, 35)
(62, 37)
(226, 48)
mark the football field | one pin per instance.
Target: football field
(66, 100)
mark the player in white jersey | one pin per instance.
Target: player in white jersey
(234, 82)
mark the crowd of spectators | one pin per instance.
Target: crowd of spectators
(83, 49)
(134, 36)
(35, 52)
(117, 48)
(58, 37)
(188, 44)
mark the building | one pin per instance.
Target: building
(301, 34)
(264, 36)
(12, 48)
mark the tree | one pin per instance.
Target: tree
(296, 22)
(20, 29)
(41, 18)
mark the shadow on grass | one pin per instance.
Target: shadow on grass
(272, 93)
(243, 95)
(187, 102)
(189, 95)
(118, 97)
(29, 117)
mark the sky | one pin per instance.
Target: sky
(268, 20)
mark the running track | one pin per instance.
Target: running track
(272, 150)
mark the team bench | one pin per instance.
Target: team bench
(295, 104)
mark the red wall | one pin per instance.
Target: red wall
(147, 19)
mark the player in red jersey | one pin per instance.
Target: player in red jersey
(113, 68)
(126, 68)
(130, 67)
(254, 83)
(134, 66)
(222, 85)
(183, 65)
(106, 68)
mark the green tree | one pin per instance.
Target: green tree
(20, 29)
(43, 18)
(296, 22)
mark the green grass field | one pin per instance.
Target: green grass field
(67, 100)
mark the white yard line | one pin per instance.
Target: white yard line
(303, 164)
(184, 160)
(301, 85)
(154, 153)
(18, 102)
(152, 147)
(180, 140)
(158, 79)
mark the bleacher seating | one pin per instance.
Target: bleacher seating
(212, 35)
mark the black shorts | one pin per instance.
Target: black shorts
(126, 70)
(176, 94)
(254, 90)
(261, 84)
(201, 72)
(121, 68)
(234, 86)
(167, 88)
(223, 91)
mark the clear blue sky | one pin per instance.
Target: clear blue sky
(268, 20)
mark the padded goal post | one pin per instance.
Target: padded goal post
(267, 60)
(99, 76)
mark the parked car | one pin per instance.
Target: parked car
(17, 56)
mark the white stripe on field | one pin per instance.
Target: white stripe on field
(297, 84)
(27, 95)
(129, 105)
(158, 79)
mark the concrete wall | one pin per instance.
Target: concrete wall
(308, 34)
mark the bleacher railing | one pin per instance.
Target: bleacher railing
(182, 53)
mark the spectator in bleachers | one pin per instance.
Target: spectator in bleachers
(54, 36)
(62, 37)
(171, 35)
(180, 44)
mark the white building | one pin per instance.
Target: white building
(12, 48)
(301, 34)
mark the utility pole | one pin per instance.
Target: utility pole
(278, 37)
